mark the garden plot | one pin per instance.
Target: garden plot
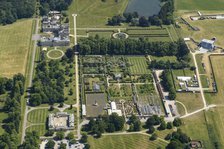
(93, 65)
(144, 89)
(149, 105)
(118, 69)
(94, 83)
(145, 78)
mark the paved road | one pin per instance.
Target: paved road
(30, 81)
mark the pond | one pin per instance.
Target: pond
(144, 7)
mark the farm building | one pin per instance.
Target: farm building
(207, 44)
(61, 121)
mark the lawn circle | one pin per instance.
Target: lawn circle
(120, 35)
(55, 56)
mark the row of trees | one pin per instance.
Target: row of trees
(165, 16)
(59, 5)
(14, 88)
(102, 46)
(11, 10)
(167, 83)
(106, 123)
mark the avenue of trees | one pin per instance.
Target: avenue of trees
(101, 46)
(32, 141)
(105, 123)
(165, 17)
(11, 10)
(14, 89)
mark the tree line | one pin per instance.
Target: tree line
(167, 83)
(14, 89)
(49, 5)
(11, 10)
(165, 16)
(102, 46)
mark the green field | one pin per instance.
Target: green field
(195, 126)
(208, 5)
(192, 101)
(95, 13)
(134, 141)
(14, 47)
(40, 129)
(208, 29)
(138, 65)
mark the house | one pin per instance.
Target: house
(61, 121)
(207, 44)
(59, 32)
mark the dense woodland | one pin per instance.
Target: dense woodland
(11, 10)
(165, 17)
(49, 80)
(14, 89)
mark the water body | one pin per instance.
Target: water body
(144, 7)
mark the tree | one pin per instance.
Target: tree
(162, 126)
(143, 22)
(70, 136)
(153, 137)
(151, 129)
(60, 135)
(50, 144)
(84, 138)
(87, 146)
(49, 133)
(169, 125)
(168, 136)
(62, 146)
(177, 122)
(174, 144)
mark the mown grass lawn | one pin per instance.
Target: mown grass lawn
(134, 141)
(39, 115)
(40, 129)
(138, 65)
(95, 13)
(14, 46)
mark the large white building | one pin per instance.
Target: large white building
(113, 109)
